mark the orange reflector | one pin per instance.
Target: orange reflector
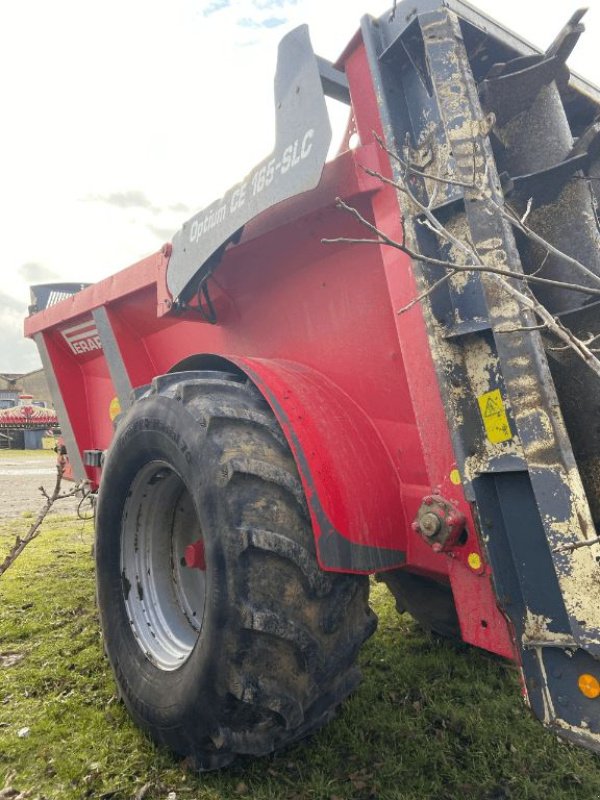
(589, 686)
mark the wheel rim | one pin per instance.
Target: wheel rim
(164, 597)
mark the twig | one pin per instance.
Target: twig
(522, 329)
(414, 171)
(527, 211)
(541, 266)
(444, 233)
(526, 301)
(444, 263)
(35, 529)
(587, 342)
(569, 548)
(556, 327)
(513, 218)
(426, 293)
(475, 263)
(143, 791)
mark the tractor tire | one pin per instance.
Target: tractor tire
(429, 603)
(224, 635)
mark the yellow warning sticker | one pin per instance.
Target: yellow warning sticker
(494, 417)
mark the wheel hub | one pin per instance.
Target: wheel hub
(163, 567)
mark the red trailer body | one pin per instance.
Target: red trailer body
(300, 318)
(355, 385)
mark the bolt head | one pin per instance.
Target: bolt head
(430, 524)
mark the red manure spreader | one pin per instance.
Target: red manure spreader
(379, 364)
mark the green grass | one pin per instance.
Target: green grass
(26, 454)
(431, 719)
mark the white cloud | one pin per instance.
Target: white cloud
(16, 353)
(128, 199)
(37, 273)
(214, 6)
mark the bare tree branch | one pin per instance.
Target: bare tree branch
(523, 329)
(569, 548)
(475, 263)
(542, 265)
(409, 168)
(512, 217)
(35, 528)
(478, 266)
(416, 300)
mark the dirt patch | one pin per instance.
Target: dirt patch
(21, 475)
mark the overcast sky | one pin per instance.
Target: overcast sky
(121, 118)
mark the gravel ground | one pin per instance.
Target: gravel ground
(21, 475)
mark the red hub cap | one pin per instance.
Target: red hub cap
(194, 555)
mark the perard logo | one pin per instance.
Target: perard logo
(82, 338)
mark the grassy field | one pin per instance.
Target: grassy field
(431, 719)
(25, 455)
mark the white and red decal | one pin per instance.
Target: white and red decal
(82, 338)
